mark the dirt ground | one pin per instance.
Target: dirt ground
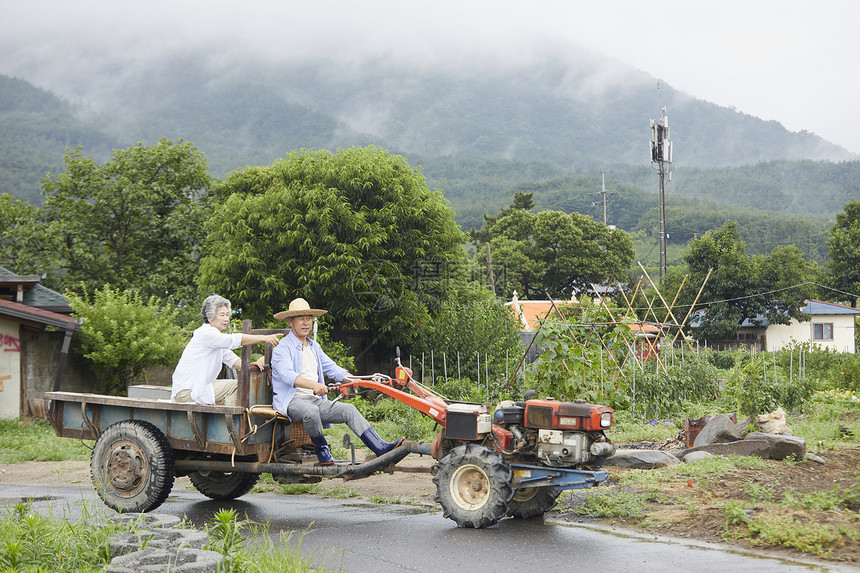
(688, 510)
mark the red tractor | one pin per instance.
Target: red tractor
(513, 461)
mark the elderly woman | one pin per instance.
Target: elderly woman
(194, 379)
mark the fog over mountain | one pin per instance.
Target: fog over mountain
(479, 126)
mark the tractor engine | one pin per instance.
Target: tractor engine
(558, 434)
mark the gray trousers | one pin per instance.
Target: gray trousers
(313, 412)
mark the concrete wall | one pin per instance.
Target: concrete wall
(780, 335)
(10, 369)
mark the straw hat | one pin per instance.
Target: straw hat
(299, 307)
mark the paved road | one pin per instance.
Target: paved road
(362, 537)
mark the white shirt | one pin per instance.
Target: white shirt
(201, 362)
(310, 370)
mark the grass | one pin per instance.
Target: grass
(35, 441)
(707, 469)
(38, 543)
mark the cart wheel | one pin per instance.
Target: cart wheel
(532, 502)
(132, 466)
(223, 485)
(473, 485)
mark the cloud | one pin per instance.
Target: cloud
(787, 60)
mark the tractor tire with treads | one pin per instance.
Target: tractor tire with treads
(223, 485)
(132, 466)
(532, 502)
(473, 486)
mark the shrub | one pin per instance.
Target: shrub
(122, 334)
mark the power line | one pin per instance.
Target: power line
(760, 294)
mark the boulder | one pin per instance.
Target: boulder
(746, 447)
(694, 457)
(719, 430)
(781, 445)
(641, 459)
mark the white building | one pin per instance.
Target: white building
(831, 326)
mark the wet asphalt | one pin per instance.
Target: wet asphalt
(357, 536)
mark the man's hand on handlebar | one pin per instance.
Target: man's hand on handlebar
(320, 389)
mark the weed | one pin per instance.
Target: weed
(735, 513)
(758, 493)
(814, 538)
(611, 504)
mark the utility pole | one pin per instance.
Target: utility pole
(661, 153)
(603, 193)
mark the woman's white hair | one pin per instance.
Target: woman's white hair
(211, 305)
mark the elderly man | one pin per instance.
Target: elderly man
(298, 368)
(194, 379)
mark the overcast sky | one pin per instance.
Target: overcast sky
(792, 61)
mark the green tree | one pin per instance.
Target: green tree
(134, 222)
(555, 252)
(26, 246)
(844, 246)
(122, 334)
(356, 231)
(740, 287)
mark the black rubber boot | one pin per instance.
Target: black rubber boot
(322, 451)
(376, 444)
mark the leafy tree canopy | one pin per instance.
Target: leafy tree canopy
(26, 246)
(357, 232)
(134, 222)
(552, 251)
(740, 287)
(844, 246)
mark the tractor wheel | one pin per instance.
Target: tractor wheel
(473, 485)
(132, 466)
(532, 502)
(223, 485)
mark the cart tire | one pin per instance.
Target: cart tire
(132, 466)
(532, 502)
(223, 485)
(473, 485)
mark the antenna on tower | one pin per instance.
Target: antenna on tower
(661, 153)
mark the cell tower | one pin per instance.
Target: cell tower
(661, 153)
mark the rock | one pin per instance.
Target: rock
(814, 458)
(745, 447)
(694, 457)
(641, 459)
(146, 520)
(174, 560)
(781, 446)
(741, 427)
(157, 538)
(719, 429)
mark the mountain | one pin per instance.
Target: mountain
(478, 134)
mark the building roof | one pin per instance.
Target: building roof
(25, 313)
(815, 307)
(34, 294)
